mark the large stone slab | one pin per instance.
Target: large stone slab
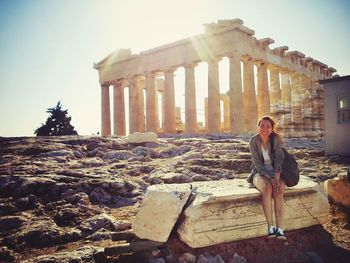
(229, 210)
(142, 137)
(160, 209)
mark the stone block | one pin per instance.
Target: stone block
(228, 210)
(160, 209)
(142, 137)
(338, 190)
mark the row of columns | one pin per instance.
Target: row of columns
(289, 99)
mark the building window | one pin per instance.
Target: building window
(344, 109)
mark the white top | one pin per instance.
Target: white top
(266, 155)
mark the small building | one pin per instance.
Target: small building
(337, 115)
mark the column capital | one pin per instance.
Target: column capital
(285, 71)
(105, 84)
(169, 70)
(120, 82)
(190, 65)
(214, 59)
(261, 63)
(134, 78)
(151, 74)
(246, 59)
(294, 74)
(234, 54)
(273, 67)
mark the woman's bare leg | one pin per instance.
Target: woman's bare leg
(265, 187)
(279, 204)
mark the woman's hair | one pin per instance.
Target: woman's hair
(273, 123)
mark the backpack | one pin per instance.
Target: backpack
(290, 169)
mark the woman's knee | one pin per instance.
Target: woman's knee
(267, 190)
(279, 194)
(263, 184)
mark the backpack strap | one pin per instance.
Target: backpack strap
(272, 143)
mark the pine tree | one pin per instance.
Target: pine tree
(57, 124)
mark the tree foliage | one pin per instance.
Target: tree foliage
(57, 124)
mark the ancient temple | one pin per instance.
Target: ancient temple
(287, 85)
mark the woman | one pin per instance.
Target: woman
(266, 173)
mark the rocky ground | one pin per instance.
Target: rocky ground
(62, 197)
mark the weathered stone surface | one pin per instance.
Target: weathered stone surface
(160, 210)
(228, 210)
(142, 137)
(174, 151)
(82, 254)
(73, 197)
(10, 222)
(338, 190)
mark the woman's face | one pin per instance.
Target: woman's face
(265, 128)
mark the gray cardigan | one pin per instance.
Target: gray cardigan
(258, 160)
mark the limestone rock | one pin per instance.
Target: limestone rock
(187, 258)
(238, 259)
(145, 152)
(121, 225)
(118, 155)
(227, 210)
(160, 210)
(175, 178)
(82, 254)
(11, 222)
(142, 137)
(338, 190)
(6, 255)
(100, 221)
(174, 151)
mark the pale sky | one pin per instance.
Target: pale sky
(48, 47)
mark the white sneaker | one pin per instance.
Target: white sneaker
(271, 231)
(280, 234)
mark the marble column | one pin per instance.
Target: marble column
(140, 85)
(307, 105)
(318, 107)
(179, 123)
(286, 100)
(275, 93)
(314, 106)
(214, 116)
(162, 110)
(118, 109)
(303, 98)
(263, 98)
(295, 103)
(249, 97)
(134, 110)
(236, 113)
(190, 99)
(105, 111)
(169, 102)
(206, 113)
(159, 86)
(151, 105)
(226, 101)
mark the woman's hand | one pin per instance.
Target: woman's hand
(276, 182)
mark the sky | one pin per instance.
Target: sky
(48, 47)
